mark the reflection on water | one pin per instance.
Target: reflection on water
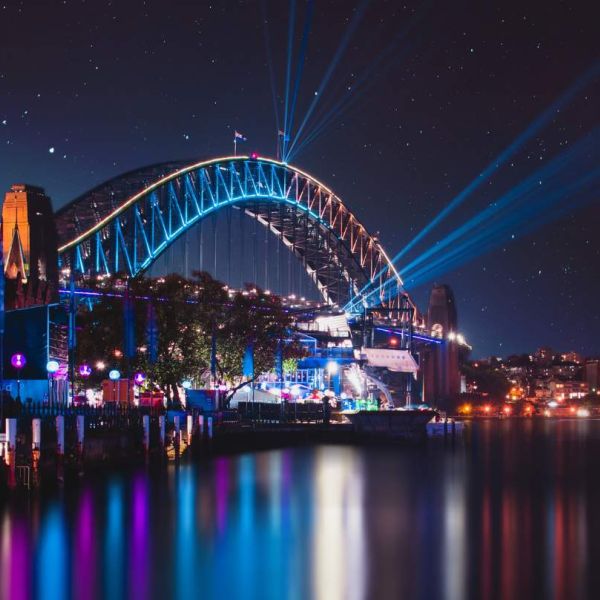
(512, 513)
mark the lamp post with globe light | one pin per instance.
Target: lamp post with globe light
(18, 361)
(52, 367)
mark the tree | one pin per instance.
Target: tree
(188, 313)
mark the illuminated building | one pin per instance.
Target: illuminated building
(29, 246)
(567, 390)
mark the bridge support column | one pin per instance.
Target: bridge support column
(201, 426)
(210, 427)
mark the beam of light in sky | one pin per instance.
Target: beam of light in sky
(533, 215)
(362, 83)
(300, 64)
(567, 164)
(543, 175)
(267, 38)
(538, 124)
(288, 71)
(330, 69)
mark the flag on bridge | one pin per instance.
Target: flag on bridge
(237, 137)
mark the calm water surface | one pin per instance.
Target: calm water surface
(511, 513)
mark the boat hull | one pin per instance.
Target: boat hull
(391, 423)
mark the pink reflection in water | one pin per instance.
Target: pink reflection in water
(139, 540)
(84, 556)
(221, 484)
(19, 572)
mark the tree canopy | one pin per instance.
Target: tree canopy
(185, 314)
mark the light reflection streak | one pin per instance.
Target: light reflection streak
(84, 559)
(114, 547)
(52, 564)
(454, 537)
(339, 556)
(139, 539)
(185, 541)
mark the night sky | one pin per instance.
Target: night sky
(91, 89)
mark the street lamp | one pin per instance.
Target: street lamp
(18, 361)
(52, 367)
(114, 376)
(85, 370)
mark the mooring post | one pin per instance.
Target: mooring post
(11, 434)
(80, 434)
(60, 435)
(161, 431)
(146, 427)
(11, 441)
(36, 442)
(36, 434)
(190, 428)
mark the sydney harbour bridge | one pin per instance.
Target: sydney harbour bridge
(126, 223)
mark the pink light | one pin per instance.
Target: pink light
(18, 360)
(85, 370)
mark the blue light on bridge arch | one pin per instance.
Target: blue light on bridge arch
(134, 234)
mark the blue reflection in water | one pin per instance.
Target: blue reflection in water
(52, 559)
(114, 548)
(508, 514)
(185, 536)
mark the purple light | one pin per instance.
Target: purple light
(139, 378)
(85, 370)
(18, 360)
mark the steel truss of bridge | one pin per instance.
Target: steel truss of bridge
(123, 225)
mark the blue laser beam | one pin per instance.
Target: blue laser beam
(362, 83)
(552, 169)
(539, 123)
(300, 63)
(288, 72)
(267, 40)
(530, 219)
(580, 155)
(330, 69)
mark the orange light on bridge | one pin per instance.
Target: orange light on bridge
(507, 409)
(487, 408)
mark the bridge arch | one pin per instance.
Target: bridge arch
(126, 223)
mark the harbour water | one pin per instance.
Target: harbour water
(511, 511)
